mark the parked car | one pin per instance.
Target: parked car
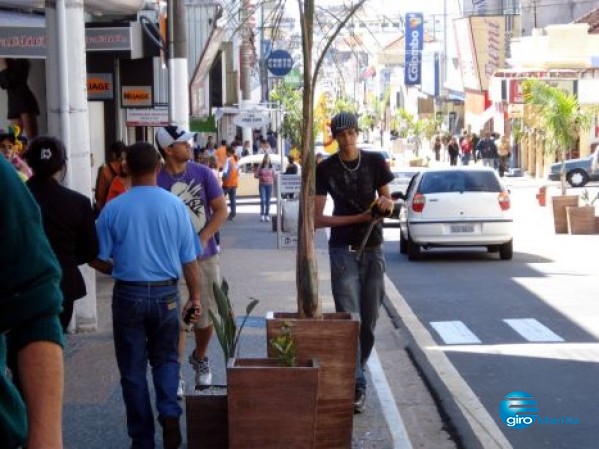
(456, 207)
(403, 176)
(387, 155)
(578, 171)
(248, 185)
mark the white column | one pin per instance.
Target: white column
(68, 118)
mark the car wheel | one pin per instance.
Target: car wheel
(577, 177)
(506, 251)
(403, 244)
(413, 250)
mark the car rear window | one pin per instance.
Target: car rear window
(459, 181)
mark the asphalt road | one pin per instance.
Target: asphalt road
(527, 325)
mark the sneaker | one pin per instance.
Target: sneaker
(181, 389)
(262, 218)
(171, 433)
(267, 218)
(203, 373)
(360, 400)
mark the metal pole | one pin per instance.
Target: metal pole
(68, 118)
(170, 26)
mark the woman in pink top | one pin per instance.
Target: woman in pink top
(266, 177)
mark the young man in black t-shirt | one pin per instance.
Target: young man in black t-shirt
(355, 180)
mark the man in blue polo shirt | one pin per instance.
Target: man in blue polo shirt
(147, 236)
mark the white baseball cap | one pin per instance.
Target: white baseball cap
(169, 135)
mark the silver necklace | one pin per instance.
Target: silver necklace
(351, 170)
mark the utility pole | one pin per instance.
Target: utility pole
(178, 78)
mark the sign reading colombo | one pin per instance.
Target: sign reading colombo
(414, 39)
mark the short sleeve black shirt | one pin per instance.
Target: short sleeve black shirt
(353, 188)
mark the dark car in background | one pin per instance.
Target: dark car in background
(578, 171)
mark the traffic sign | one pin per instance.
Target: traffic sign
(279, 62)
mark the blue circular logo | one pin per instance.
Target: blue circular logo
(518, 410)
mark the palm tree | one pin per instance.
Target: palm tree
(559, 115)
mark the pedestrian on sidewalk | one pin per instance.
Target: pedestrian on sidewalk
(453, 149)
(199, 189)
(67, 216)
(266, 178)
(466, 146)
(487, 150)
(503, 155)
(106, 173)
(30, 302)
(356, 181)
(147, 234)
(437, 148)
(231, 180)
(122, 182)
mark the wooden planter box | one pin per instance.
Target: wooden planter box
(333, 340)
(560, 217)
(581, 220)
(272, 406)
(207, 419)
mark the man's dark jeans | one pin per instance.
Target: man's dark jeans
(359, 287)
(146, 329)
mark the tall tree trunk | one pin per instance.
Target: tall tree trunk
(306, 266)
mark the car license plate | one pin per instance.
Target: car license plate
(461, 229)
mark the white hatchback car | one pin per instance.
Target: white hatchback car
(458, 206)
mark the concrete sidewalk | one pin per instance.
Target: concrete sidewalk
(94, 414)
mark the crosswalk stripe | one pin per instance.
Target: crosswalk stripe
(532, 330)
(454, 332)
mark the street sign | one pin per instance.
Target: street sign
(291, 183)
(279, 62)
(251, 119)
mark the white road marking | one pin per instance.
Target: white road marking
(454, 333)
(483, 425)
(399, 435)
(532, 330)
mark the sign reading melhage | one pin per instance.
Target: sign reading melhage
(414, 39)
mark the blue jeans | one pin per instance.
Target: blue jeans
(359, 287)
(146, 329)
(265, 194)
(232, 192)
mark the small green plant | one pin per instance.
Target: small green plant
(224, 324)
(284, 346)
(586, 199)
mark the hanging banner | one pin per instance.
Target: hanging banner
(414, 39)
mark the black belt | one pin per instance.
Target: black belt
(354, 248)
(166, 283)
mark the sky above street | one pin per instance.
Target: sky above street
(391, 7)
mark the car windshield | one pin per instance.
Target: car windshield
(459, 181)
